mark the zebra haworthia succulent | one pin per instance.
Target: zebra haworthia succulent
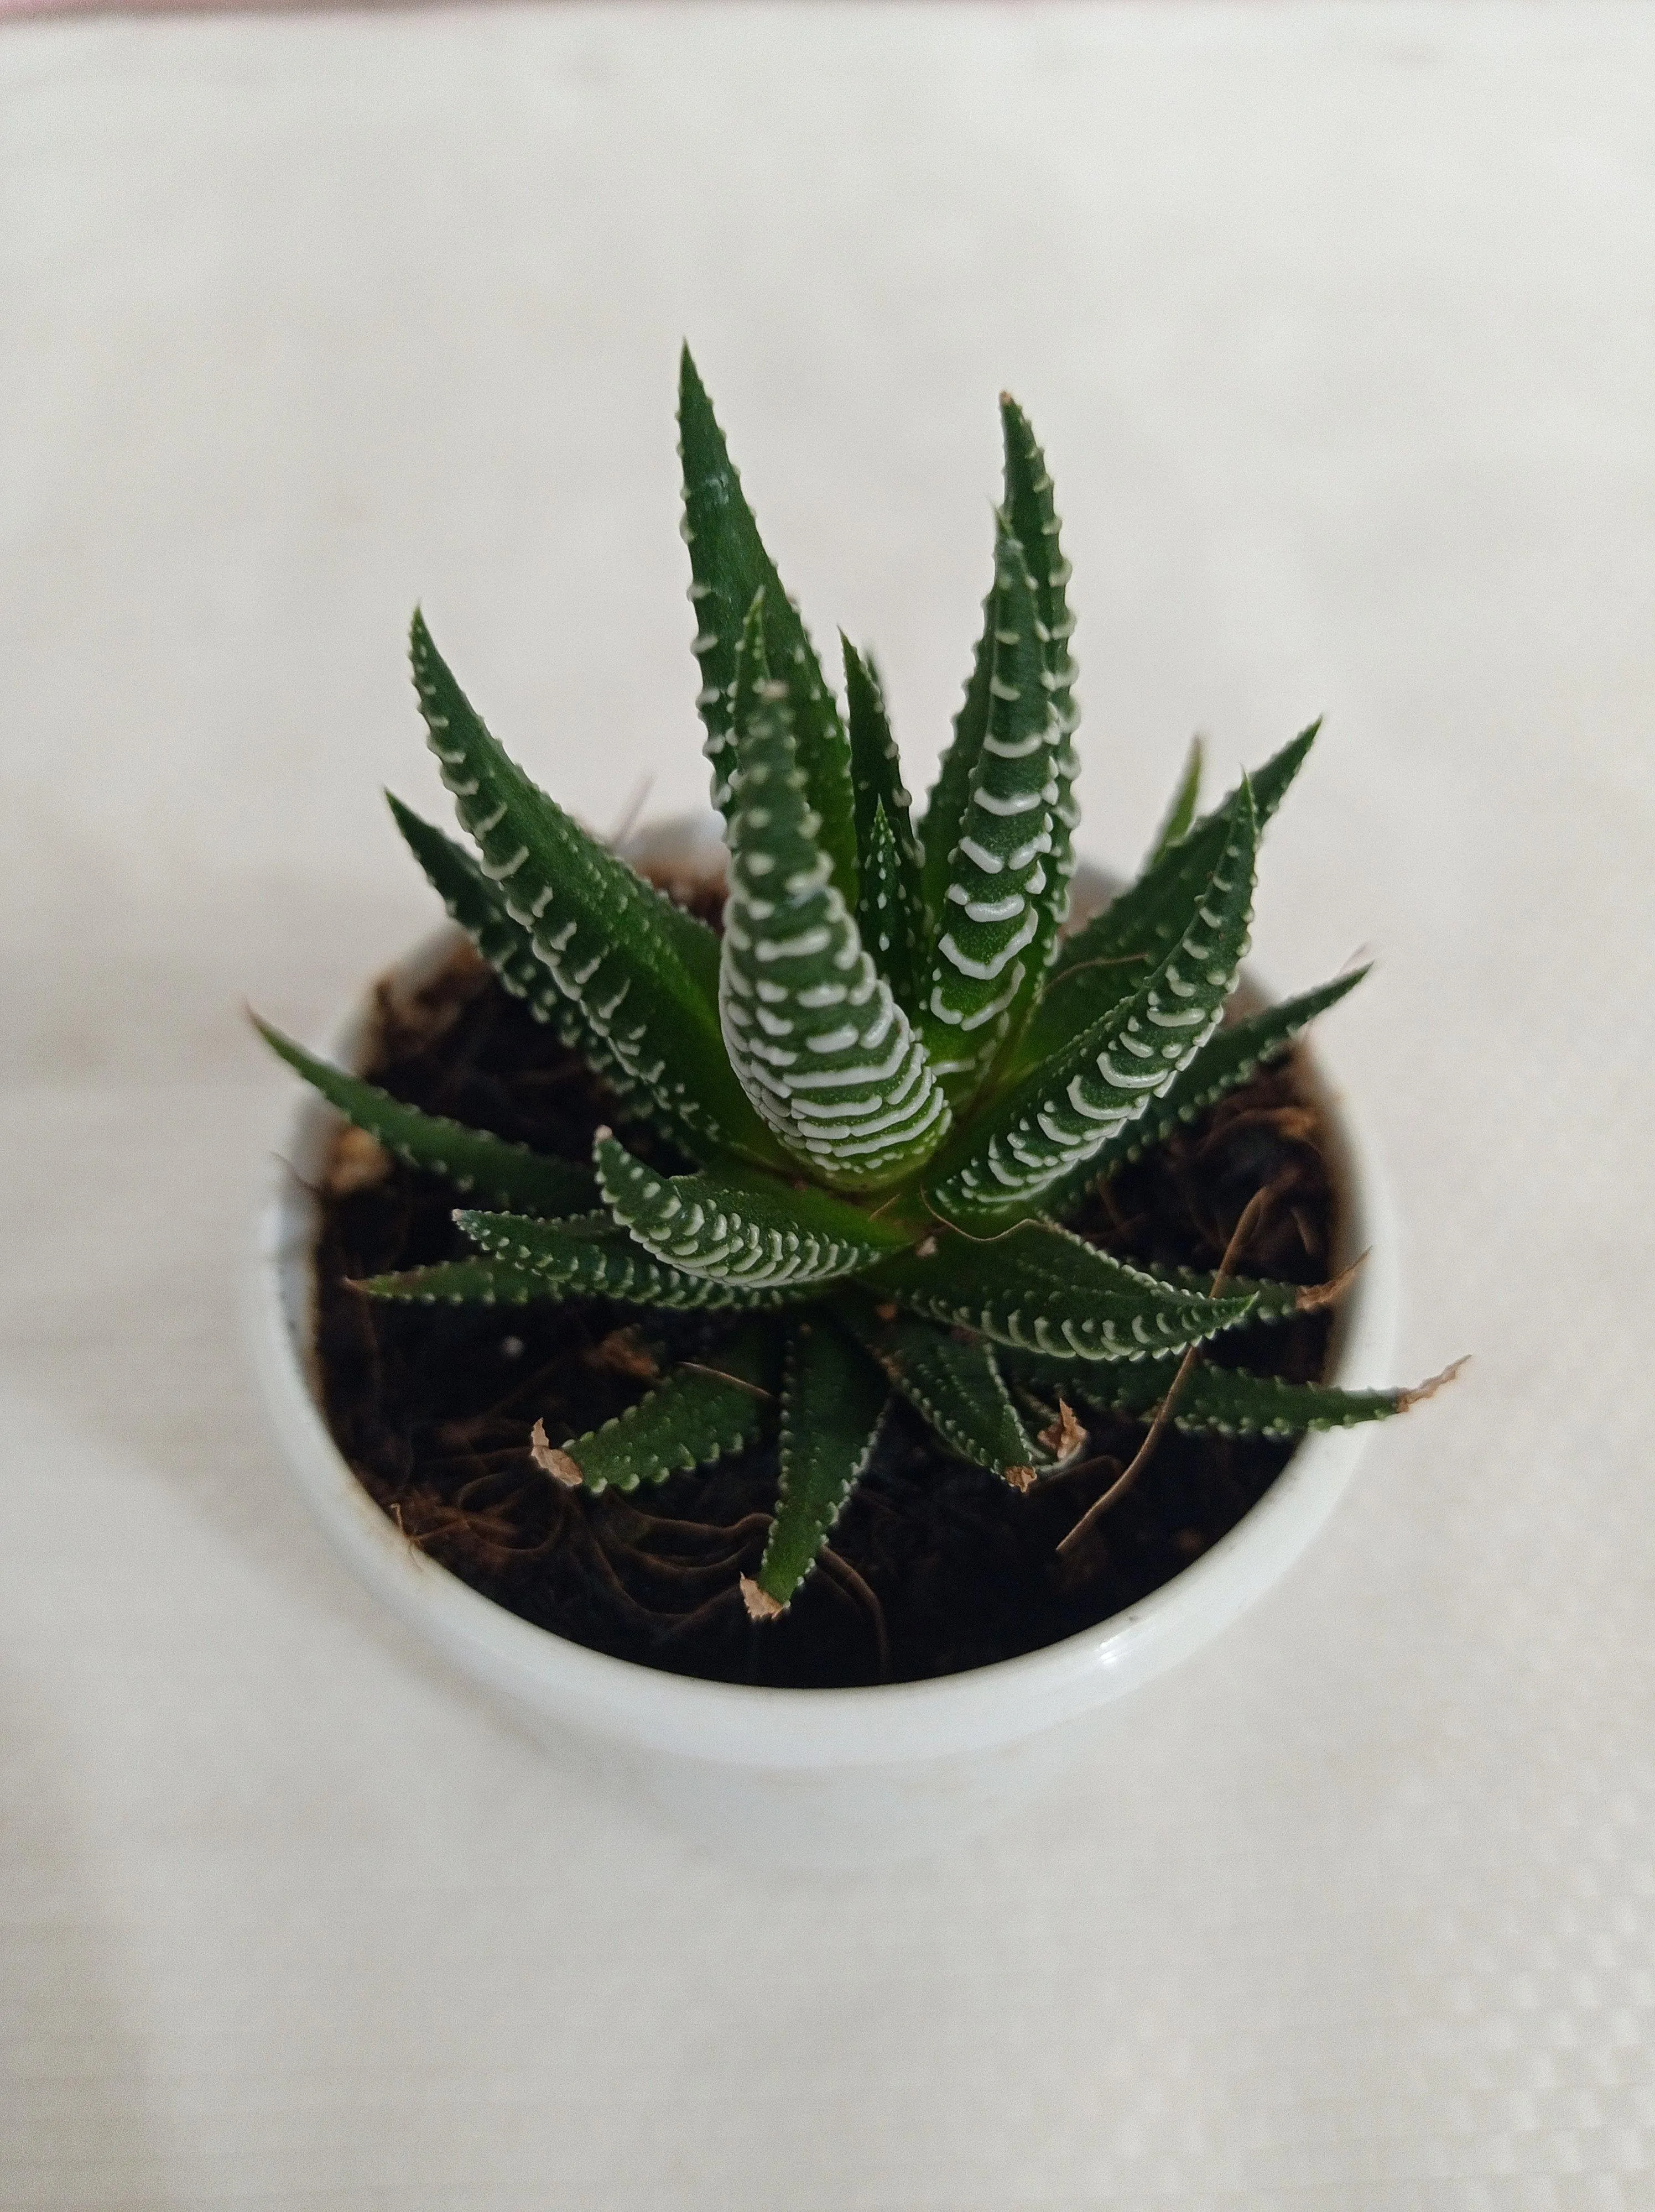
(890, 1081)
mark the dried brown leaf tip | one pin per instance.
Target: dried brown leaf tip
(1315, 1296)
(1416, 1396)
(1020, 1477)
(760, 1605)
(359, 1161)
(547, 1457)
(1066, 1435)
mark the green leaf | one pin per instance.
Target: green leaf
(1106, 962)
(461, 1283)
(1271, 1300)
(1182, 811)
(1228, 1057)
(999, 872)
(813, 1030)
(832, 1403)
(887, 921)
(1035, 521)
(954, 1383)
(1228, 1402)
(1042, 1132)
(642, 971)
(1039, 1288)
(695, 1417)
(875, 765)
(729, 567)
(950, 793)
(756, 1235)
(590, 1258)
(471, 1159)
(891, 898)
(478, 908)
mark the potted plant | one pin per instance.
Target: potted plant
(823, 1187)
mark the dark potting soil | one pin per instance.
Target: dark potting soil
(934, 1567)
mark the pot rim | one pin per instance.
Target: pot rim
(877, 1725)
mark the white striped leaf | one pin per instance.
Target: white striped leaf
(813, 1030)
(1035, 523)
(471, 1159)
(590, 1257)
(1226, 1401)
(1230, 1055)
(1044, 1128)
(998, 872)
(691, 1419)
(832, 1402)
(480, 910)
(891, 898)
(1038, 1289)
(729, 568)
(953, 1381)
(642, 971)
(461, 1283)
(889, 919)
(944, 810)
(1106, 962)
(754, 1234)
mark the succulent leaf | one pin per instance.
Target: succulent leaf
(754, 1234)
(1105, 962)
(1227, 1401)
(1228, 1057)
(888, 922)
(1036, 1288)
(642, 971)
(951, 794)
(982, 974)
(890, 897)
(1034, 520)
(692, 1419)
(813, 1030)
(1271, 1300)
(832, 1403)
(954, 1383)
(480, 910)
(875, 764)
(1042, 1130)
(729, 567)
(462, 1283)
(590, 1257)
(471, 1159)
(1181, 810)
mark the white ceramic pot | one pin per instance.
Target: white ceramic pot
(812, 1778)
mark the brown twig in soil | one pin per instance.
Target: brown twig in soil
(1251, 1215)
(954, 1229)
(687, 1624)
(736, 1382)
(836, 1565)
(726, 1532)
